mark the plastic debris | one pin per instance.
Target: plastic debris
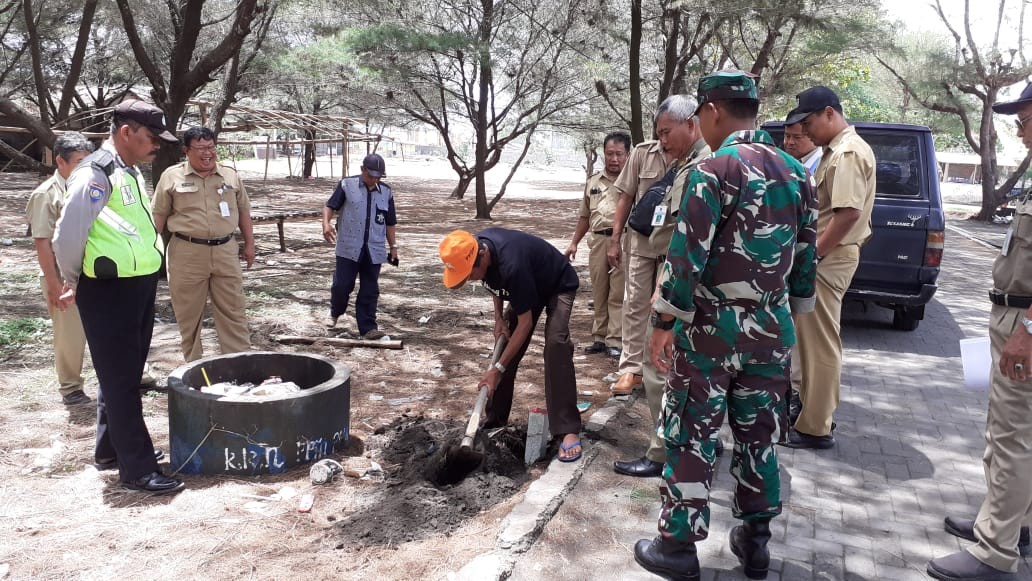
(405, 400)
(272, 387)
(324, 471)
(582, 406)
(587, 392)
(424, 319)
(375, 397)
(306, 503)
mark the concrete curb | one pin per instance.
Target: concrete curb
(522, 527)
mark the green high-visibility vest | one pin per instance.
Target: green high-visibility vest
(123, 242)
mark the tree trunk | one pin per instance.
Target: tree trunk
(483, 102)
(634, 74)
(309, 154)
(463, 184)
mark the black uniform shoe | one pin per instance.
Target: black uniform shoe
(795, 407)
(640, 467)
(668, 559)
(614, 352)
(797, 439)
(749, 544)
(77, 397)
(155, 483)
(964, 566)
(112, 463)
(596, 347)
(965, 529)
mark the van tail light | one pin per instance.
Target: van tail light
(933, 248)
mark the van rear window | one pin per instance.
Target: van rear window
(898, 160)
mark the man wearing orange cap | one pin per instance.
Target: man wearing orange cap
(532, 276)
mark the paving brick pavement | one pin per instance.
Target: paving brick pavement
(910, 441)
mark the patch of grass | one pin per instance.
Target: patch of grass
(17, 333)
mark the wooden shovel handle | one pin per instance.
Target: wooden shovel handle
(478, 409)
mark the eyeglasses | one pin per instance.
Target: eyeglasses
(202, 147)
(1021, 122)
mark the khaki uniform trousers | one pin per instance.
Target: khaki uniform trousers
(69, 345)
(820, 344)
(197, 271)
(607, 290)
(639, 284)
(654, 383)
(1008, 455)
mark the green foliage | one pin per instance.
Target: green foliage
(17, 333)
(400, 40)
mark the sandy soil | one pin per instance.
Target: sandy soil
(61, 518)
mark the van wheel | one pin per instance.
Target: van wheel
(907, 319)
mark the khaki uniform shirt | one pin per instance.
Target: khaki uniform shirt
(44, 207)
(190, 202)
(644, 167)
(598, 204)
(845, 179)
(1012, 271)
(660, 238)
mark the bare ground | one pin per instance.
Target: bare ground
(60, 518)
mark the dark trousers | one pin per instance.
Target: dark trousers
(118, 319)
(560, 378)
(368, 275)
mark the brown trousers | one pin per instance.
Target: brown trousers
(820, 345)
(607, 290)
(195, 272)
(1008, 454)
(69, 345)
(560, 377)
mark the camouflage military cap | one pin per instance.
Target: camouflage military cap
(727, 84)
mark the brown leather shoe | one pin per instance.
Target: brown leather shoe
(626, 384)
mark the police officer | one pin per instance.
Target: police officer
(680, 139)
(741, 261)
(366, 221)
(109, 253)
(845, 192)
(596, 214)
(997, 531)
(203, 202)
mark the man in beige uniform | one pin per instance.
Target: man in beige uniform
(845, 197)
(42, 212)
(998, 532)
(203, 202)
(679, 141)
(646, 165)
(596, 215)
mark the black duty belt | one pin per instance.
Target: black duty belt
(204, 241)
(606, 232)
(1006, 300)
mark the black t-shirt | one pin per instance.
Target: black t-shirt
(526, 270)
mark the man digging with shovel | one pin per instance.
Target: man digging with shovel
(533, 276)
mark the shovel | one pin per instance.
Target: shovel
(478, 409)
(456, 462)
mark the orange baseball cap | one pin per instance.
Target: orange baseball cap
(458, 251)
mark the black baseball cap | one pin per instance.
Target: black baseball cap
(374, 165)
(1012, 107)
(811, 101)
(147, 115)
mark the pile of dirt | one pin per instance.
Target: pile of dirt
(408, 507)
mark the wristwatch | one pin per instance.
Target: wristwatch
(498, 365)
(658, 323)
(1028, 325)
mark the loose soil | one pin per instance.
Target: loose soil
(61, 518)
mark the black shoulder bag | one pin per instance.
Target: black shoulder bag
(640, 218)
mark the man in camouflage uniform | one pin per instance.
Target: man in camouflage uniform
(740, 262)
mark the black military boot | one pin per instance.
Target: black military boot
(749, 544)
(668, 558)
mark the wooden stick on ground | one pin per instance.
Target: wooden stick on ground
(302, 340)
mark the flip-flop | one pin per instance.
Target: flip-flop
(566, 448)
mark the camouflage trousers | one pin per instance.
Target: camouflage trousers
(750, 389)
